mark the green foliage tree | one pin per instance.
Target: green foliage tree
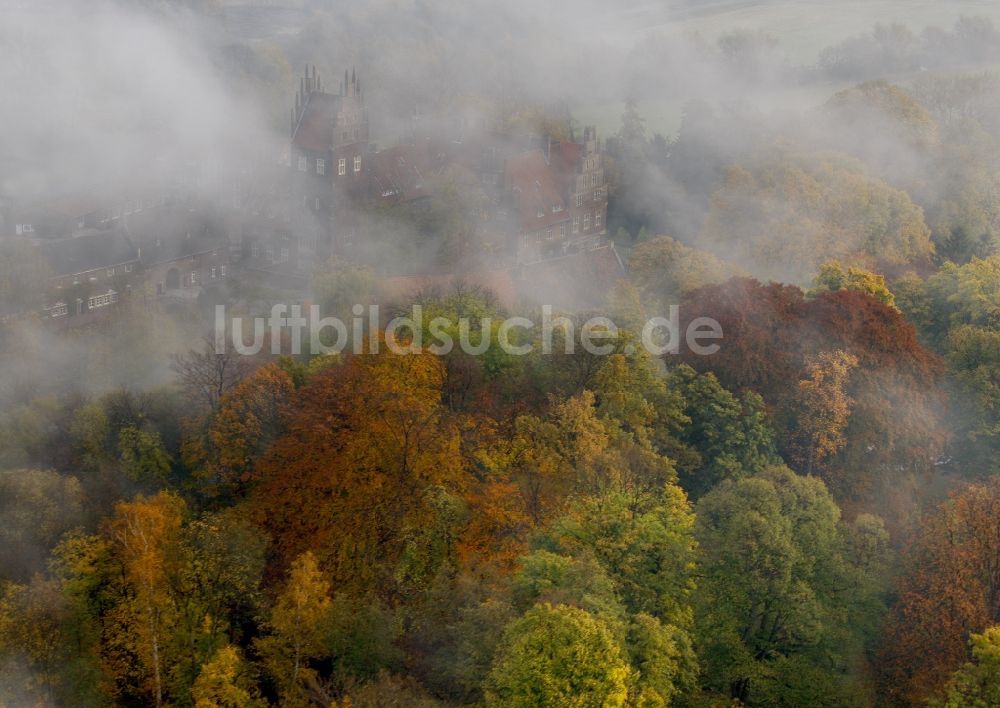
(778, 585)
(833, 277)
(558, 655)
(785, 214)
(664, 269)
(977, 683)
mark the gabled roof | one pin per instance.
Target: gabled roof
(581, 279)
(166, 235)
(401, 172)
(565, 157)
(535, 191)
(314, 131)
(91, 251)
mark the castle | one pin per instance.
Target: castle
(536, 197)
(540, 202)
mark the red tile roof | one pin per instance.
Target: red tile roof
(565, 157)
(535, 191)
(401, 171)
(576, 280)
(315, 129)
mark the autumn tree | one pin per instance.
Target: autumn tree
(949, 590)
(33, 643)
(206, 375)
(145, 532)
(664, 270)
(38, 506)
(298, 625)
(367, 444)
(250, 417)
(784, 214)
(833, 276)
(822, 408)
(223, 682)
(977, 683)
(895, 429)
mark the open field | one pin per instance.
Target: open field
(803, 27)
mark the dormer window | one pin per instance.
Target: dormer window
(556, 208)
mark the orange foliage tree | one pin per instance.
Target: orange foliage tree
(951, 590)
(367, 445)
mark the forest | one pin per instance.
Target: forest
(808, 517)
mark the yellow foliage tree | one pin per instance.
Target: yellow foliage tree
(299, 623)
(145, 533)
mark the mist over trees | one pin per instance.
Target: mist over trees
(805, 517)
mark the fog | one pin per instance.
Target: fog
(110, 99)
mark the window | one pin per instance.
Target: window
(194, 277)
(579, 200)
(556, 208)
(128, 267)
(320, 167)
(58, 310)
(357, 163)
(284, 255)
(562, 230)
(270, 254)
(342, 166)
(548, 234)
(222, 270)
(254, 250)
(576, 224)
(594, 179)
(213, 273)
(541, 213)
(111, 272)
(597, 195)
(316, 204)
(597, 220)
(303, 164)
(586, 221)
(102, 300)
